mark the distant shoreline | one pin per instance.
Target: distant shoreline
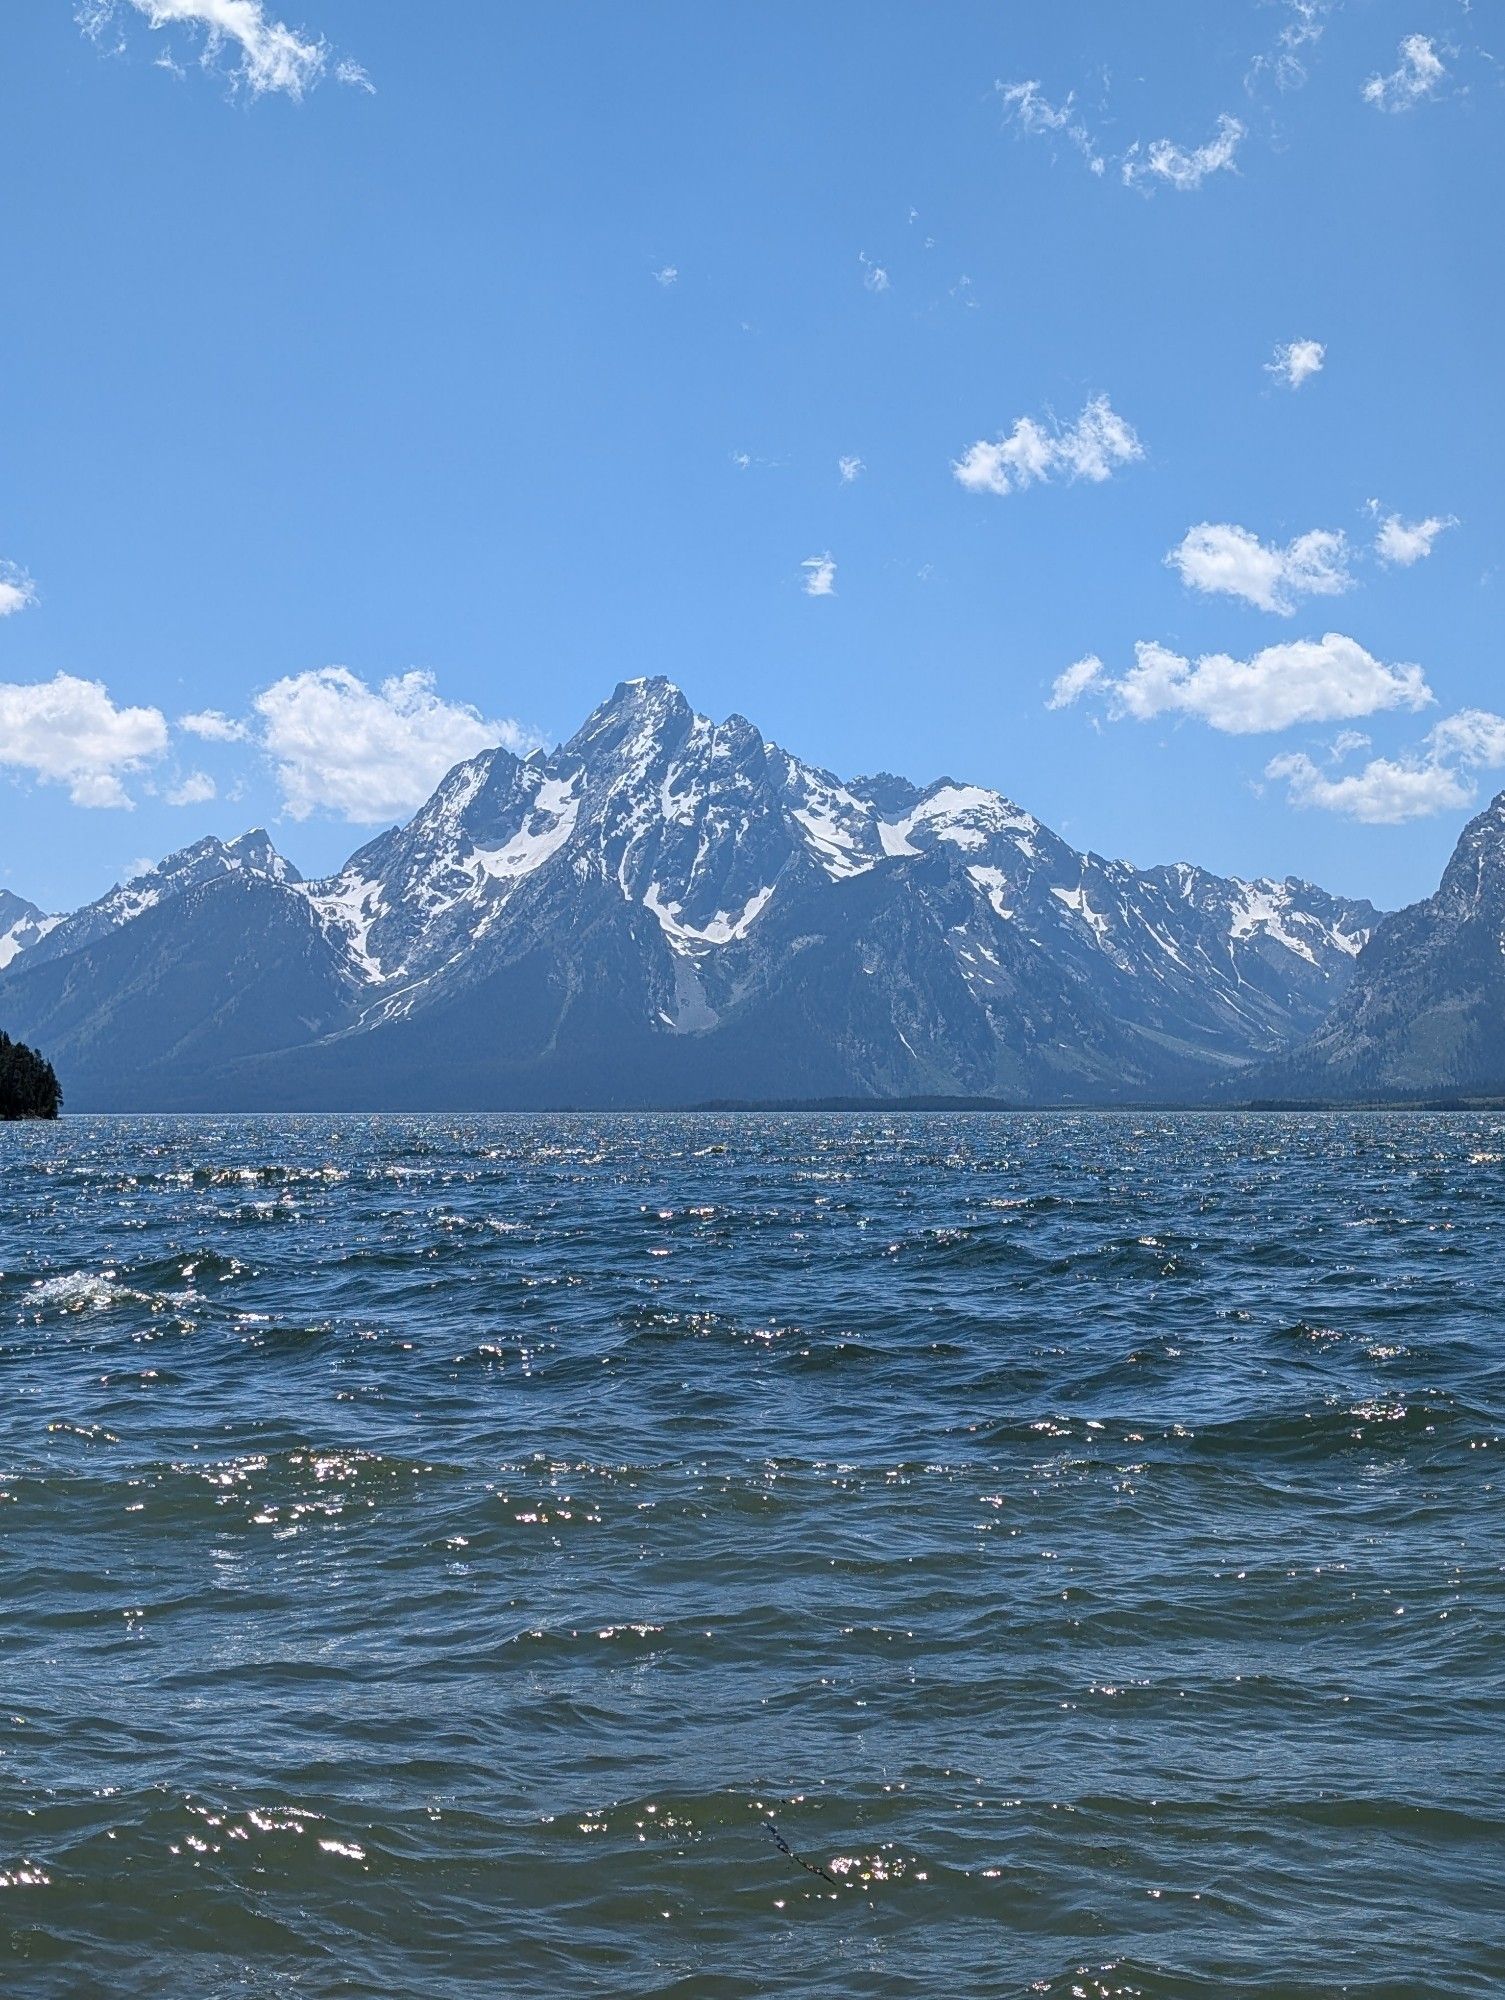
(796, 1107)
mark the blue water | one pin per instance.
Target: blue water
(447, 1557)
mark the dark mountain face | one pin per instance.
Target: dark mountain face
(236, 965)
(667, 910)
(1424, 1014)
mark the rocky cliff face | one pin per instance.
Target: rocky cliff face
(668, 909)
(1424, 1015)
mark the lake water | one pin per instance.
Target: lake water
(721, 1556)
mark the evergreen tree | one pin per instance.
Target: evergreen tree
(28, 1082)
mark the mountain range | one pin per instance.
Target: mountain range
(667, 910)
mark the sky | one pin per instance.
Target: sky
(1098, 403)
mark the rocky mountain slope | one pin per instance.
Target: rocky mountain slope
(1424, 1015)
(668, 910)
(22, 925)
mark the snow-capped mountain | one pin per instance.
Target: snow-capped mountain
(206, 860)
(667, 910)
(1424, 1015)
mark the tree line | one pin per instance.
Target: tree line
(28, 1082)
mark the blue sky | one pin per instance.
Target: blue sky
(520, 348)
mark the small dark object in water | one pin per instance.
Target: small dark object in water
(810, 1867)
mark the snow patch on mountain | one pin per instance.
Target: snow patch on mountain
(995, 886)
(968, 816)
(348, 907)
(25, 926)
(722, 928)
(556, 807)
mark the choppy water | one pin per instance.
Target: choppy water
(439, 1554)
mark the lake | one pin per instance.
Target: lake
(732, 1555)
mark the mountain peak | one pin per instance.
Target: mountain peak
(636, 714)
(254, 850)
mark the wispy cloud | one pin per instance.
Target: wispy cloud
(1286, 62)
(1033, 112)
(267, 55)
(1332, 679)
(17, 591)
(353, 76)
(874, 276)
(820, 576)
(1297, 361)
(1074, 681)
(666, 275)
(850, 469)
(1218, 557)
(1092, 448)
(1164, 164)
(68, 731)
(1415, 77)
(1439, 776)
(1401, 543)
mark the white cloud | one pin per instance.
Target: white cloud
(17, 590)
(271, 56)
(1473, 736)
(197, 789)
(667, 275)
(368, 754)
(1384, 793)
(1437, 777)
(1090, 448)
(69, 732)
(1164, 164)
(1035, 114)
(1219, 557)
(214, 727)
(1073, 682)
(353, 76)
(1296, 361)
(1406, 542)
(1332, 679)
(873, 275)
(820, 575)
(1303, 29)
(850, 469)
(1416, 76)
